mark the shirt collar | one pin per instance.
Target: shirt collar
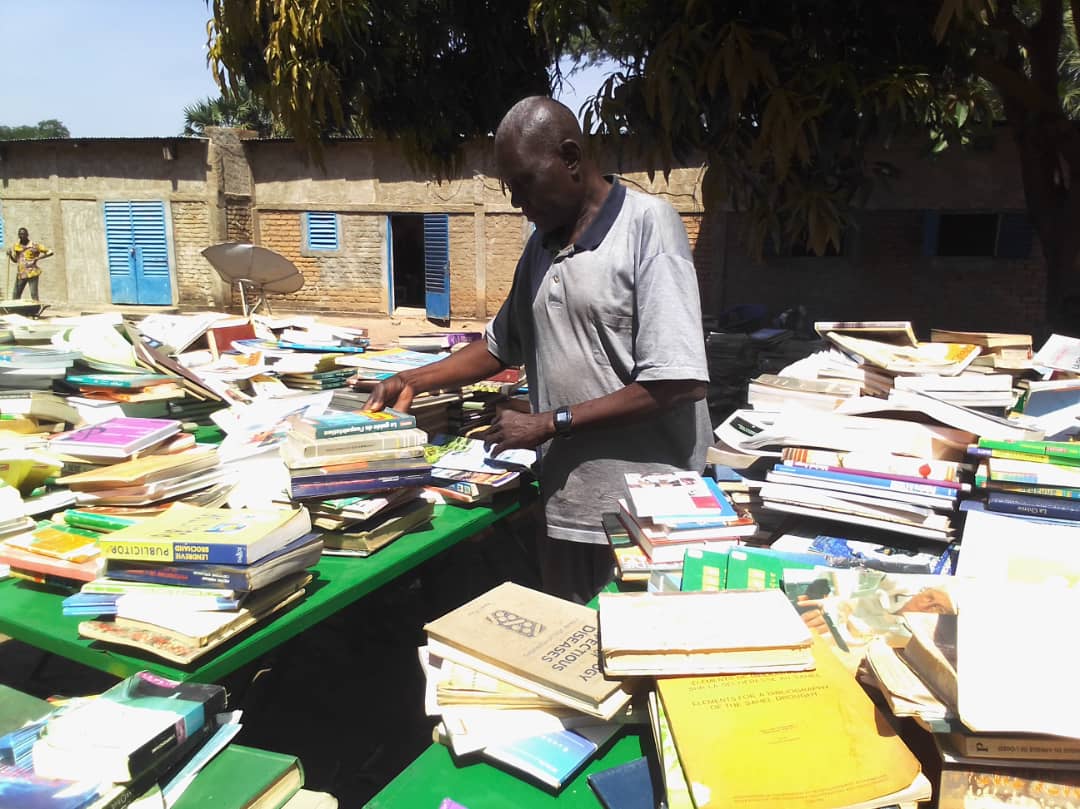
(596, 231)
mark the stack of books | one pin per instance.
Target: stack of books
(987, 684)
(771, 391)
(463, 469)
(145, 734)
(1034, 479)
(147, 480)
(361, 451)
(910, 495)
(376, 365)
(34, 367)
(1005, 352)
(667, 514)
(142, 395)
(515, 677)
(35, 411)
(52, 554)
(263, 555)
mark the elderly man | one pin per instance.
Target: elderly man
(26, 255)
(605, 315)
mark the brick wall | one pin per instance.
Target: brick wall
(505, 238)
(883, 275)
(238, 221)
(191, 233)
(462, 265)
(349, 280)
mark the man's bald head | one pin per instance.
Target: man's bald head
(539, 122)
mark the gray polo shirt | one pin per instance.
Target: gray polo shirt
(619, 306)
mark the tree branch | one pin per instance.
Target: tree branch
(1006, 21)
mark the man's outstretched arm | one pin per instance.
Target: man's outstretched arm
(470, 364)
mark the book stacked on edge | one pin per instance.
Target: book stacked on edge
(515, 677)
(667, 514)
(263, 555)
(143, 735)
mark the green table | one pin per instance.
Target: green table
(434, 775)
(34, 616)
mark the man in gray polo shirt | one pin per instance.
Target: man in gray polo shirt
(605, 315)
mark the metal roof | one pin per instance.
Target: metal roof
(158, 139)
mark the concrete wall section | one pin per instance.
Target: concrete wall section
(84, 242)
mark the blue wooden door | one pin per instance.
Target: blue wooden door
(437, 265)
(138, 252)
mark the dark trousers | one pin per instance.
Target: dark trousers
(20, 285)
(575, 571)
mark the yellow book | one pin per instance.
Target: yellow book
(219, 535)
(801, 740)
(142, 471)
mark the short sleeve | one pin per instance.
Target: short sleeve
(669, 343)
(502, 341)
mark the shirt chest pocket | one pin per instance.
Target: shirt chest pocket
(613, 343)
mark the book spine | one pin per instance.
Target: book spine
(1020, 748)
(326, 431)
(1062, 449)
(1011, 503)
(215, 578)
(1010, 455)
(920, 470)
(1050, 476)
(321, 490)
(846, 476)
(227, 553)
(940, 485)
(1040, 491)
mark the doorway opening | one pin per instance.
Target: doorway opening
(407, 259)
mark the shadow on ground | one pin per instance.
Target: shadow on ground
(345, 696)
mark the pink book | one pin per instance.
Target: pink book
(115, 438)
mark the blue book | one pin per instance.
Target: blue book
(867, 481)
(1031, 505)
(328, 349)
(552, 758)
(628, 786)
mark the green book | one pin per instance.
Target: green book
(241, 776)
(705, 570)
(1060, 449)
(763, 568)
(17, 708)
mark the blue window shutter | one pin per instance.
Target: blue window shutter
(120, 250)
(931, 227)
(437, 265)
(1015, 236)
(152, 249)
(321, 231)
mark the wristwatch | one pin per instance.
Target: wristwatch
(563, 422)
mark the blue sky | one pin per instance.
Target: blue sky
(121, 68)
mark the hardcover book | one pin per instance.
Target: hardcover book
(530, 639)
(192, 534)
(725, 632)
(627, 786)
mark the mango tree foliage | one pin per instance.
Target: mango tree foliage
(432, 73)
(785, 99)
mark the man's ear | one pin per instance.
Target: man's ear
(570, 154)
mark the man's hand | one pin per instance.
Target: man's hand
(514, 430)
(394, 392)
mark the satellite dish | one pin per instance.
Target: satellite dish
(254, 269)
